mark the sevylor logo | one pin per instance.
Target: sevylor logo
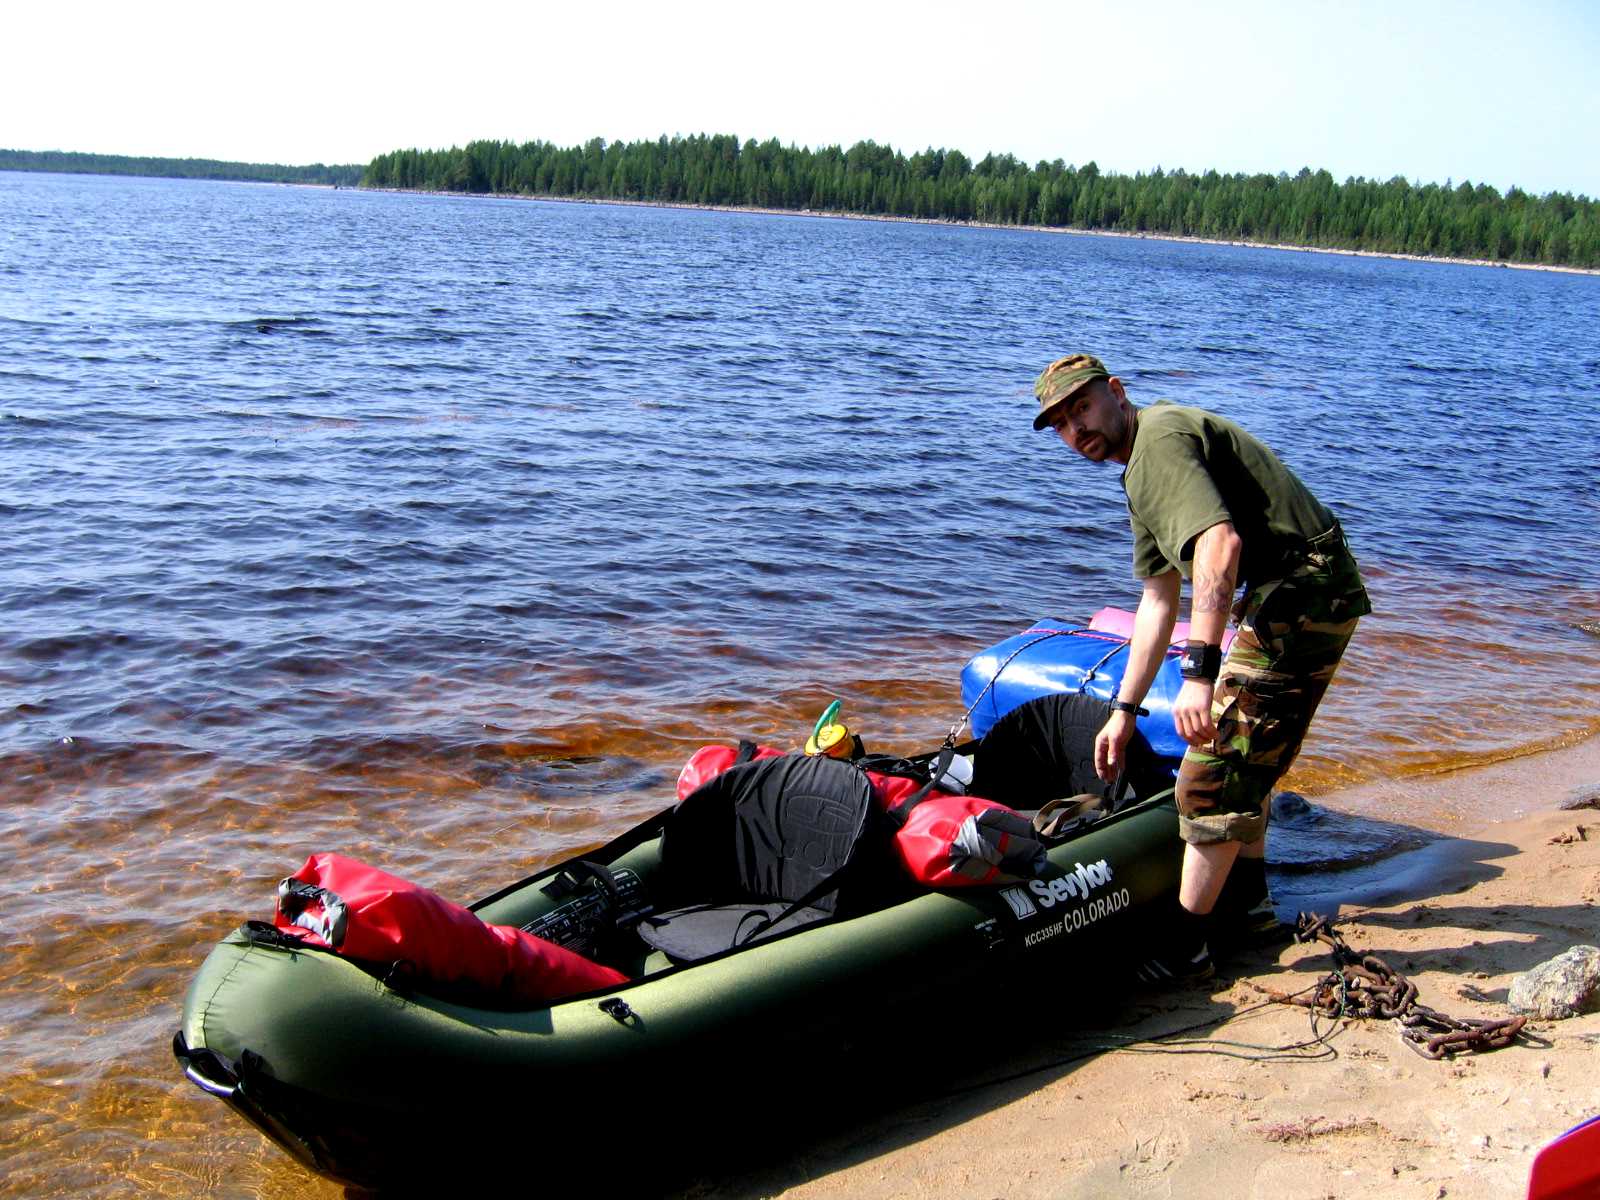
(1076, 886)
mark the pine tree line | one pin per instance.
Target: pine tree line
(1307, 209)
(72, 163)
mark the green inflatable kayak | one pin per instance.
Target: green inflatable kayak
(377, 1083)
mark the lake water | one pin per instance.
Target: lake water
(440, 530)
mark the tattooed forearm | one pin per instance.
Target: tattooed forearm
(1212, 592)
(1216, 566)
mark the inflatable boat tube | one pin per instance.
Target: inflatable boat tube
(1058, 656)
(376, 1086)
(1120, 622)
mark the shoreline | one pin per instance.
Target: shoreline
(756, 210)
(1050, 229)
(1439, 799)
(1214, 1090)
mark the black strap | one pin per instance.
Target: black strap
(747, 752)
(916, 766)
(1116, 788)
(894, 764)
(818, 891)
(657, 920)
(901, 812)
(1115, 798)
(757, 921)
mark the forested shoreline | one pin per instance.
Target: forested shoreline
(1306, 209)
(73, 163)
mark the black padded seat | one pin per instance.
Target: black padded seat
(762, 849)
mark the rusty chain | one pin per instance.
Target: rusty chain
(1364, 986)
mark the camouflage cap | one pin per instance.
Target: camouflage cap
(1061, 379)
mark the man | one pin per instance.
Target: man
(1209, 502)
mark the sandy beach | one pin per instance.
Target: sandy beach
(1215, 1090)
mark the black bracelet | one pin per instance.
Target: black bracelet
(1128, 706)
(1200, 660)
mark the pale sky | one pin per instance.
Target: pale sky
(1495, 91)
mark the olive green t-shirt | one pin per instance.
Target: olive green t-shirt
(1191, 469)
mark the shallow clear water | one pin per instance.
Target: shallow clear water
(440, 530)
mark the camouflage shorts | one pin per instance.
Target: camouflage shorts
(1292, 634)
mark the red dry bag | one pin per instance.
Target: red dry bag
(706, 763)
(946, 840)
(367, 914)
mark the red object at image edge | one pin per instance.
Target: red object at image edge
(1569, 1167)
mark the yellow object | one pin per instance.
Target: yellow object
(832, 740)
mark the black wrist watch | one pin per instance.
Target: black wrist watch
(1129, 707)
(1200, 660)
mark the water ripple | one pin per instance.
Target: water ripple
(441, 532)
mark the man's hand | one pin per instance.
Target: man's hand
(1109, 744)
(1191, 715)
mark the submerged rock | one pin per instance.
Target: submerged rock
(1289, 805)
(1563, 987)
(1584, 796)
